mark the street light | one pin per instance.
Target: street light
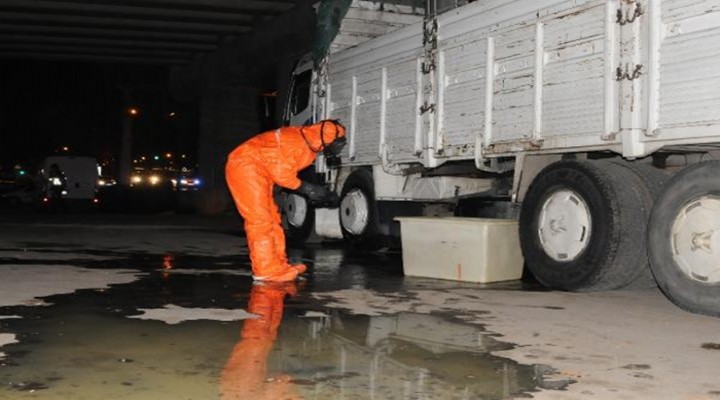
(130, 113)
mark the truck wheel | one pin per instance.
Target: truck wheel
(684, 239)
(654, 180)
(583, 224)
(299, 218)
(359, 212)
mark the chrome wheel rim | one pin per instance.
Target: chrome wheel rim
(564, 225)
(354, 212)
(695, 239)
(296, 210)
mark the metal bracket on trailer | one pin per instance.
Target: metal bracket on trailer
(629, 17)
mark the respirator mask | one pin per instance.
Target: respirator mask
(332, 150)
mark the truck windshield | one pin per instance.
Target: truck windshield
(301, 92)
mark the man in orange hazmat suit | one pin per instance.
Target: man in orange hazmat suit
(275, 158)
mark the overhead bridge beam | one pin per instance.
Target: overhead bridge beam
(116, 22)
(91, 58)
(123, 11)
(270, 7)
(116, 33)
(138, 44)
(95, 51)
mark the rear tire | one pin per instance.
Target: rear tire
(654, 180)
(583, 224)
(684, 239)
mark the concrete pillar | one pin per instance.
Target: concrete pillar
(228, 84)
(126, 141)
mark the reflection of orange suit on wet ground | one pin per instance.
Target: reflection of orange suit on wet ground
(273, 157)
(244, 375)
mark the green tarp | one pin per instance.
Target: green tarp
(329, 16)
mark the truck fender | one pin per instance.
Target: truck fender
(527, 167)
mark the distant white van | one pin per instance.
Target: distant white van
(80, 173)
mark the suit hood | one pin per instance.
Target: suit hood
(321, 134)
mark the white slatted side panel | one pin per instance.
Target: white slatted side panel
(574, 73)
(464, 92)
(513, 110)
(565, 52)
(367, 128)
(340, 102)
(397, 52)
(401, 110)
(676, 10)
(689, 91)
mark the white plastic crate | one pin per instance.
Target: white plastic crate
(463, 249)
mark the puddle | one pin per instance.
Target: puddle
(188, 327)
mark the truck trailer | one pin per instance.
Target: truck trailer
(596, 122)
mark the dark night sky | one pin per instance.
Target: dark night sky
(47, 105)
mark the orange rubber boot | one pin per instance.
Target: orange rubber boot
(262, 257)
(280, 252)
(279, 239)
(289, 273)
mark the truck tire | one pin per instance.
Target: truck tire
(359, 217)
(654, 180)
(684, 239)
(583, 225)
(299, 218)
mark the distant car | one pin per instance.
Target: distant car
(149, 178)
(23, 195)
(105, 181)
(186, 183)
(7, 181)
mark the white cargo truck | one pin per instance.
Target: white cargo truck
(600, 119)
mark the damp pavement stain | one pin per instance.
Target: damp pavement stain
(5, 339)
(47, 254)
(25, 284)
(172, 314)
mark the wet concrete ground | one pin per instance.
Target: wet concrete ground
(163, 307)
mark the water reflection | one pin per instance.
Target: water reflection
(245, 374)
(405, 356)
(330, 355)
(85, 347)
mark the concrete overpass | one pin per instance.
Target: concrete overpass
(220, 54)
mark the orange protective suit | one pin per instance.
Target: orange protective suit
(245, 373)
(273, 158)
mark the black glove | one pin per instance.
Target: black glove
(315, 193)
